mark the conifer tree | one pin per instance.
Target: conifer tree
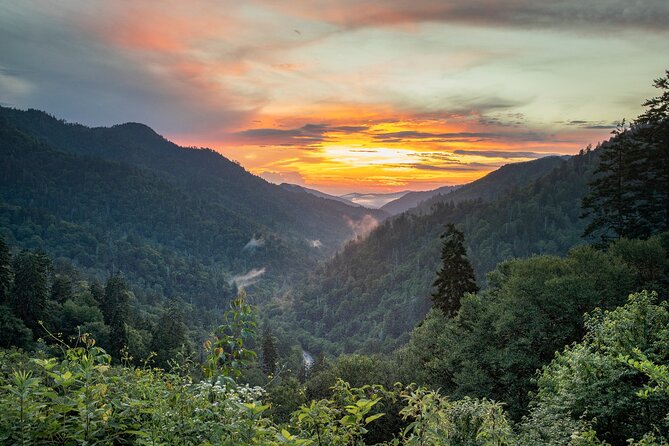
(269, 353)
(653, 127)
(613, 202)
(61, 289)
(5, 272)
(31, 289)
(169, 336)
(115, 308)
(630, 196)
(456, 276)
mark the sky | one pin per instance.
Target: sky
(347, 95)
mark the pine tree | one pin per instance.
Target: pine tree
(653, 127)
(630, 196)
(456, 276)
(269, 352)
(613, 203)
(61, 289)
(6, 275)
(115, 308)
(169, 336)
(30, 292)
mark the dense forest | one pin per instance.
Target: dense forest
(351, 302)
(530, 307)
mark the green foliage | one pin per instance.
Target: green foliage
(115, 309)
(13, 332)
(30, 290)
(6, 274)
(269, 352)
(456, 276)
(613, 382)
(169, 337)
(468, 422)
(531, 308)
(228, 354)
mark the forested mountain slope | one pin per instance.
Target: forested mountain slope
(204, 174)
(175, 221)
(413, 198)
(497, 183)
(370, 295)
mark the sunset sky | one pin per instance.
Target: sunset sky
(343, 95)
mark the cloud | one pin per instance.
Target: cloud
(503, 154)
(276, 177)
(457, 136)
(314, 243)
(593, 15)
(591, 125)
(307, 135)
(248, 279)
(363, 226)
(254, 243)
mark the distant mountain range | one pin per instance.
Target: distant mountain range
(373, 201)
(412, 199)
(317, 193)
(391, 203)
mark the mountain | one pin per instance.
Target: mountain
(371, 294)
(413, 199)
(498, 182)
(316, 193)
(374, 201)
(176, 221)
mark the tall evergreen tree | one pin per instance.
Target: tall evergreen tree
(654, 129)
(169, 336)
(5, 272)
(630, 196)
(269, 352)
(115, 308)
(456, 276)
(613, 202)
(61, 289)
(31, 289)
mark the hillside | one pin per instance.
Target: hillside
(176, 221)
(202, 173)
(353, 302)
(413, 199)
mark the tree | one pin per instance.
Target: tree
(456, 276)
(630, 195)
(269, 352)
(169, 336)
(602, 383)
(61, 289)
(30, 291)
(115, 308)
(654, 129)
(613, 202)
(5, 272)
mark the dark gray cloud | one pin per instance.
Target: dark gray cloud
(308, 134)
(503, 154)
(61, 68)
(454, 167)
(589, 15)
(457, 136)
(592, 125)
